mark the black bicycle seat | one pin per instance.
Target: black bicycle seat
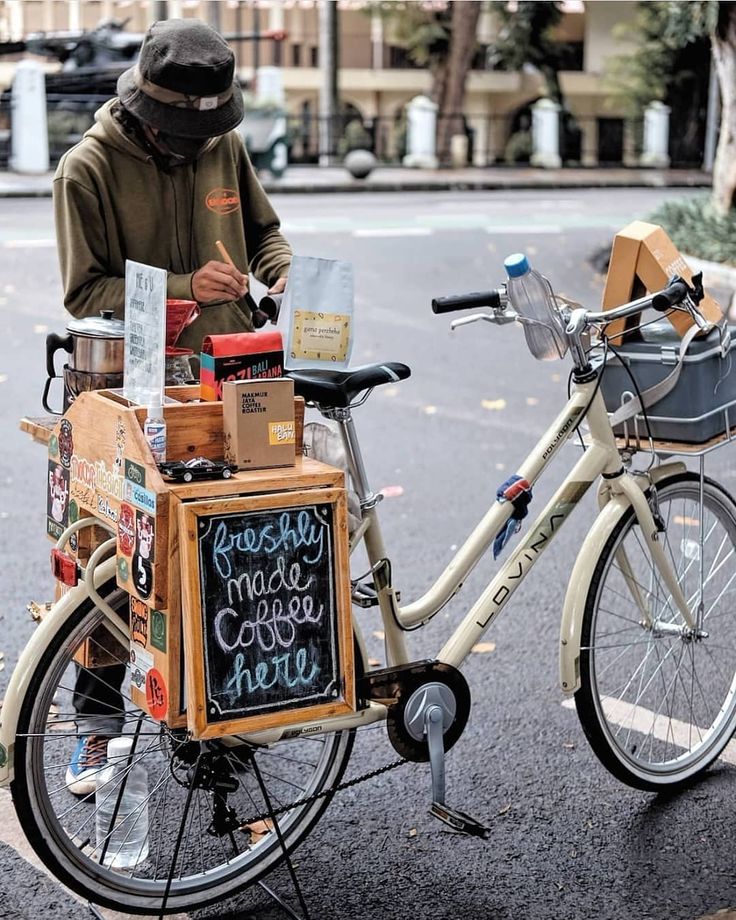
(337, 389)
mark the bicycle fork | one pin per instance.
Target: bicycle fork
(651, 530)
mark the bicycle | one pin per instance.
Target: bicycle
(645, 648)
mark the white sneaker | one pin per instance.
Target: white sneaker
(89, 758)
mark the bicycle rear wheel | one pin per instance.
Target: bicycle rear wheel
(656, 701)
(219, 854)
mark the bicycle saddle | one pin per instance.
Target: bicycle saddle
(337, 389)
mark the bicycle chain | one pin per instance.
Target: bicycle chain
(264, 816)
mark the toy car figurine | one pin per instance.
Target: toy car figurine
(196, 468)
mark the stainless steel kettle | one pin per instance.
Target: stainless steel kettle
(96, 345)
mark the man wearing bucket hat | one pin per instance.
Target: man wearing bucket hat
(158, 179)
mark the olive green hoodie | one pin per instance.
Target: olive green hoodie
(112, 203)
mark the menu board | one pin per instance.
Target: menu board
(267, 610)
(145, 333)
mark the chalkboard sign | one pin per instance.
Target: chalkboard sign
(267, 610)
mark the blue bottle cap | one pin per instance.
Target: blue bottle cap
(516, 265)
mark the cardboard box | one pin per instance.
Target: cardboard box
(241, 356)
(643, 259)
(258, 423)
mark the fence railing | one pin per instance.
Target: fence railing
(496, 139)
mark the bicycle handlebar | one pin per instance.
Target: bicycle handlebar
(673, 295)
(471, 301)
(676, 292)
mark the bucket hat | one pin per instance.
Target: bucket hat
(184, 81)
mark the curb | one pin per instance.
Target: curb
(464, 185)
(349, 186)
(717, 272)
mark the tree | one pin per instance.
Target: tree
(526, 37)
(444, 41)
(672, 64)
(665, 34)
(724, 54)
(463, 29)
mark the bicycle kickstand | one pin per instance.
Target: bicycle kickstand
(459, 821)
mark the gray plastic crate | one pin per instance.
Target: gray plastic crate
(702, 404)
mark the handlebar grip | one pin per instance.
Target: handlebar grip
(473, 300)
(671, 296)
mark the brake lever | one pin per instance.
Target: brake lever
(498, 318)
(697, 317)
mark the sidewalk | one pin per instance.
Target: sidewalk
(313, 179)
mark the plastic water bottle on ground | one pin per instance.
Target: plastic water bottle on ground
(127, 836)
(531, 296)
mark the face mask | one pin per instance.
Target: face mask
(182, 148)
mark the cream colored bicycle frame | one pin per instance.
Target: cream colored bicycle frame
(619, 492)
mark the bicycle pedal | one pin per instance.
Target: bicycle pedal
(459, 821)
(364, 594)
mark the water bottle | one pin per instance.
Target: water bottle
(531, 296)
(154, 431)
(127, 839)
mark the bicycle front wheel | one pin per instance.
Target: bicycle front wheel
(657, 701)
(202, 844)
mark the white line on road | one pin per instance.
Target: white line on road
(642, 720)
(393, 231)
(29, 244)
(527, 228)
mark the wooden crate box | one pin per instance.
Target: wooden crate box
(100, 465)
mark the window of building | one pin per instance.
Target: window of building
(314, 56)
(296, 55)
(571, 55)
(480, 58)
(398, 58)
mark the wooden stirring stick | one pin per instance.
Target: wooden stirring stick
(224, 253)
(259, 317)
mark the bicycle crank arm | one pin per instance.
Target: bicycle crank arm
(459, 821)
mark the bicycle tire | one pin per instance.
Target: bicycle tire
(656, 705)
(44, 718)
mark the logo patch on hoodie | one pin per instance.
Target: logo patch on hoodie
(222, 200)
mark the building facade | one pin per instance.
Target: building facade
(376, 78)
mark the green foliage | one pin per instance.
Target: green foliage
(661, 31)
(518, 148)
(525, 33)
(355, 137)
(66, 128)
(695, 228)
(425, 33)
(526, 36)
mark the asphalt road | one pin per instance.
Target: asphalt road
(567, 839)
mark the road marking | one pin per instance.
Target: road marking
(12, 835)
(525, 228)
(643, 720)
(29, 244)
(393, 231)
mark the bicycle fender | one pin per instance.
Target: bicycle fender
(29, 658)
(582, 573)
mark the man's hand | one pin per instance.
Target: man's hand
(279, 287)
(218, 281)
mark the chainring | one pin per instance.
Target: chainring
(394, 687)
